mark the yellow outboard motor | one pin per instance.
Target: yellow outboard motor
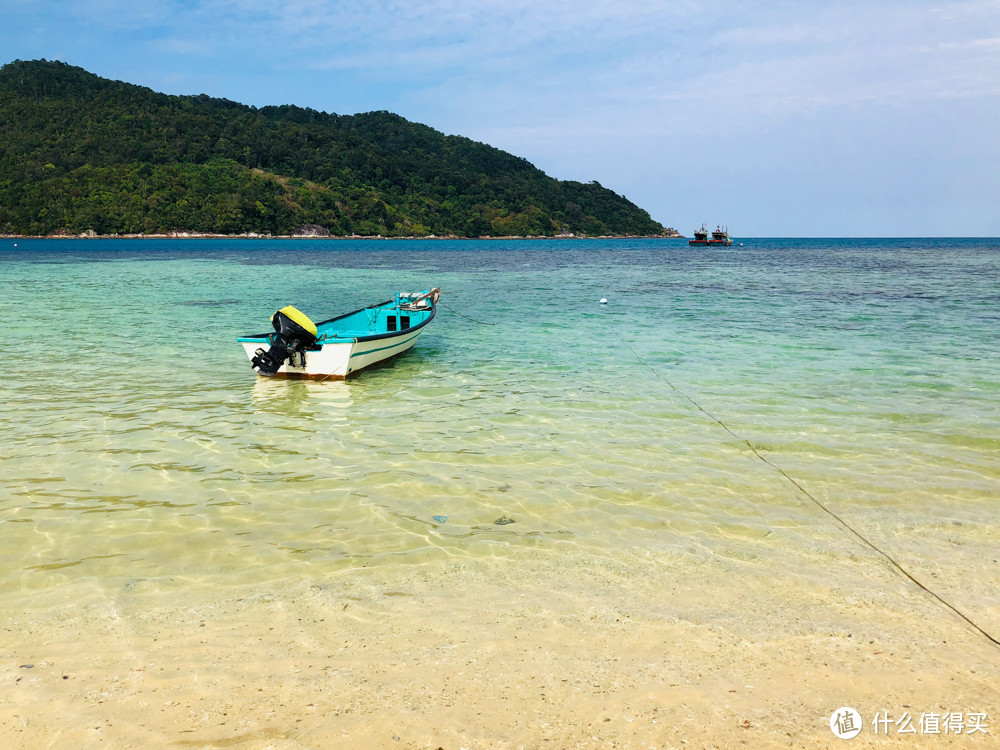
(294, 334)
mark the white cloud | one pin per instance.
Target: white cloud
(656, 61)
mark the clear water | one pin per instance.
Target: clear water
(137, 444)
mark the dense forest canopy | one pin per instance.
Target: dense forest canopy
(79, 153)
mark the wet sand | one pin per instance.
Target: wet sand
(649, 651)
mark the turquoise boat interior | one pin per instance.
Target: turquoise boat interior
(386, 318)
(390, 318)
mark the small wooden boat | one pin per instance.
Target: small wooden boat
(721, 237)
(700, 236)
(338, 348)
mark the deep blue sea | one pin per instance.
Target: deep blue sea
(141, 453)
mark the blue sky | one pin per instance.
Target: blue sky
(777, 118)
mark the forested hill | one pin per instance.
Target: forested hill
(79, 153)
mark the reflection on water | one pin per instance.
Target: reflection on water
(304, 398)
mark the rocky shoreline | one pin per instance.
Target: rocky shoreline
(669, 234)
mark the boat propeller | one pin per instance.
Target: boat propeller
(294, 334)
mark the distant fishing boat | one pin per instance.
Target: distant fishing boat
(340, 347)
(720, 237)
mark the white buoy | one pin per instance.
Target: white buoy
(604, 301)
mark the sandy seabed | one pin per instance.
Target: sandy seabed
(664, 650)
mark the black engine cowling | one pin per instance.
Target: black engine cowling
(294, 334)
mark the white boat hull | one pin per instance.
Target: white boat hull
(339, 360)
(339, 347)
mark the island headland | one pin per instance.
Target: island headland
(86, 156)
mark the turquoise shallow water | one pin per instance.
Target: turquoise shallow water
(138, 444)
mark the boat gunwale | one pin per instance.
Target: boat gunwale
(348, 340)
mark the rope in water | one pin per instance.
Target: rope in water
(480, 322)
(805, 492)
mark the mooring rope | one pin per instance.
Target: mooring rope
(809, 495)
(461, 315)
